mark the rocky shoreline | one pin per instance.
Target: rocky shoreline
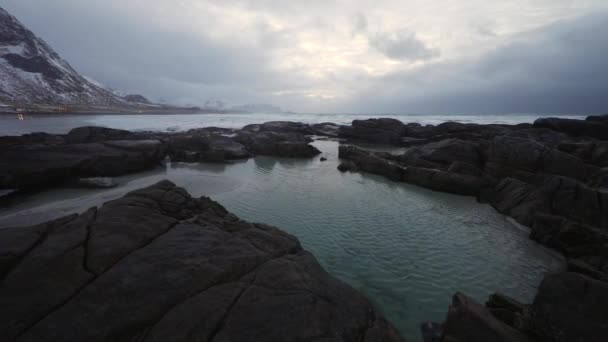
(551, 176)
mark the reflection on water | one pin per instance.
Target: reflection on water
(409, 249)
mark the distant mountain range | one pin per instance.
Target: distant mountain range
(32, 73)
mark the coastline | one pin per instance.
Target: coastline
(512, 187)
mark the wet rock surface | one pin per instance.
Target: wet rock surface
(39, 160)
(159, 265)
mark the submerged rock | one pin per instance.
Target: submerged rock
(159, 265)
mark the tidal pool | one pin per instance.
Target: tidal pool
(408, 249)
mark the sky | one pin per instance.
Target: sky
(357, 56)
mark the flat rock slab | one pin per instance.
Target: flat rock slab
(159, 265)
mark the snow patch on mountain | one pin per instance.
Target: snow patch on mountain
(33, 73)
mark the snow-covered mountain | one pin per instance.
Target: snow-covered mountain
(32, 73)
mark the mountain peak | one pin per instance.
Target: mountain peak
(33, 73)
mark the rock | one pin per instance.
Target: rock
(159, 265)
(592, 128)
(95, 183)
(292, 145)
(501, 301)
(598, 118)
(203, 146)
(464, 168)
(280, 127)
(383, 131)
(570, 307)
(370, 162)
(6, 195)
(326, 129)
(509, 155)
(444, 181)
(90, 134)
(468, 321)
(38, 138)
(445, 152)
(428, 178)
(323, 159)
(409, 141)
(580, 266)
(431, 331)
(348, 166)
(35, 166)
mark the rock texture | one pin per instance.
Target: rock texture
(159, 265)
(469, 321)
(34, 166)
(39, 160)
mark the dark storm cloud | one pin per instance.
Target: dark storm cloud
(561, 68)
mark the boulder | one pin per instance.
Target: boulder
(509, 154)
(464, 169)
(35, 166)
(89, 134)
(292, 145)
(440, 180)
(371, 162)
(326, 129)
(383, 131)
(594, 128)
(598, 118)
(468, 321)
(570, 307)
(445, 152)
(159, 265)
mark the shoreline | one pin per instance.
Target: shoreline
(521, 170)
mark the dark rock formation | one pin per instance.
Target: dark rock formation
(205, 148)
(384, 131)
(40, 159)
(595, 127)
(571, 307)
(158, 265)
(568, 307)
(468, 321)
(33, 166)
(435, 179)
(90, 134)
(277, 141)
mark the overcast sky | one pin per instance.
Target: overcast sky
(375, 56)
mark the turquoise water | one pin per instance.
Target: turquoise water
(408, 249)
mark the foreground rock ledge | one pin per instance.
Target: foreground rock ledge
(159, 265)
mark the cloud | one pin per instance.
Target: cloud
(402, 45)
(337, 55)
(558, 69)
